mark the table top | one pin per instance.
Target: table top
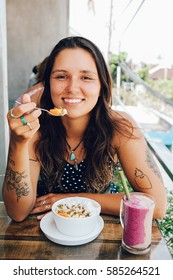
(25, 240)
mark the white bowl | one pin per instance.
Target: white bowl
(77, 226)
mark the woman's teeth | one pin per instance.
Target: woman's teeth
(77, 100)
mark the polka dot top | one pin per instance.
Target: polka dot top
(71, 181)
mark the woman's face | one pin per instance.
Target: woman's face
(74, 82)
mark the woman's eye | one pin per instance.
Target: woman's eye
(62, 77)
(87, 78)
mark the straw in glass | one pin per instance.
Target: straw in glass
(123, 180)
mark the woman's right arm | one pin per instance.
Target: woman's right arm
(34, 92)
(19, 188)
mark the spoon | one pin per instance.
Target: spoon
(56, 112)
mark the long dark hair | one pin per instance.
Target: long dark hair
(51, 148)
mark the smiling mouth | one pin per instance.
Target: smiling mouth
(72, 100)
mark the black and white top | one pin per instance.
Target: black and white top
(71, 181)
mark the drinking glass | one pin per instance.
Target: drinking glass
(136, 216)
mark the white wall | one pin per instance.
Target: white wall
(28, 32)
(33, 28)
(4, 139)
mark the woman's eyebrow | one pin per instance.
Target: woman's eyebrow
(59, 70)
(82, 71)
(88, 72)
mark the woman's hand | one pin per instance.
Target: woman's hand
(23, 120)
(44, 203)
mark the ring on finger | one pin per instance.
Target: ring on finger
(23, 120)
(43, 202)
(47, 206)
(12, 115)
(28, 124)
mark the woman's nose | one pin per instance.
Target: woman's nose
(73, 85)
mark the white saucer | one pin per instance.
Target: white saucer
(50, 230)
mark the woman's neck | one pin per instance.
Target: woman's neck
(75, 128)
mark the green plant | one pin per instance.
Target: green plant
(166, 224)
(164, 86)
(143, 72)
(117, 181)
(114, 63)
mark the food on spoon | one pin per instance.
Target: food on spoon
(73, 211)
(58, 111)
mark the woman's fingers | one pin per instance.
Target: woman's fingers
(26, 127)
(23, 120)
(42, 208)
(44, 203)
(21, 110)
(44, 199)
(39, 217)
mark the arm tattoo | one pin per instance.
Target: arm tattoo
(142, 179)
(152, 164)
(10, 155)
(14, 180)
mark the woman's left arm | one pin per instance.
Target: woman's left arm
(141, 169)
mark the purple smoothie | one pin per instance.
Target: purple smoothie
(138, 215)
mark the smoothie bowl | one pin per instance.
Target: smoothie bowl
(76, 216)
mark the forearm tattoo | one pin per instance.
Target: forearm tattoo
(15, 180)
(11, 161)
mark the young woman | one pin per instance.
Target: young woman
(75, 155)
